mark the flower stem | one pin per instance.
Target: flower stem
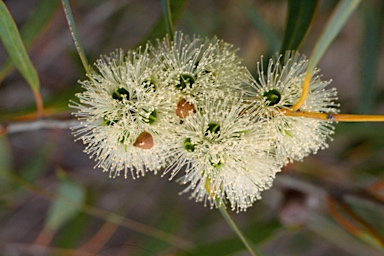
(304, 93)
(336, 117)
(74, 34)
(232, 224)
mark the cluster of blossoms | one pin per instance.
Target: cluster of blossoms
(189, 108)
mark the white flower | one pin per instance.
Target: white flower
(277, 90)
(122, 111)
(297, 137)
(195, 68)
(189, 106)
(225, 155)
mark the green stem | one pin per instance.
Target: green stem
(75, 35)
(232, 224)
(166, 6)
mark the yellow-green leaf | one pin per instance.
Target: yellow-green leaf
(10, 36)
(33, 27)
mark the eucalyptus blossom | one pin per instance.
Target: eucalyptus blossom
(188, 107)
(223, 154)
(122, 109)
(276, 90)
(197, 67)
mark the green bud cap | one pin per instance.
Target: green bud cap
(272, 96)
(119, 93)
(184, 81)
(188, 145)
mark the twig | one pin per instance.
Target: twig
(336, 117)
(18, 127)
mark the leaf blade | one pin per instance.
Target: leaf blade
(299, 20)
(373, 22)
(166, 6)
(34, 26)
(343, 10)
(10, 36)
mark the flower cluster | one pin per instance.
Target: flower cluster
(188, 107)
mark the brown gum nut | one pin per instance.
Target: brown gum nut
(183, 108)
(144, 141)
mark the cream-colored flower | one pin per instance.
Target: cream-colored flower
(195, 68)
(276, 90)
(122, 111)
(189, 107)
(223, 154)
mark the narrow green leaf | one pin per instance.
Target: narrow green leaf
(166, 6)
(299, 19)
(373, 18)
(75, 35)
(343, 10)
(333, 27)
(12, 41)
(60, 212)
(159, 29)
(34, 26)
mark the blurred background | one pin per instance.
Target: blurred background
(147, 216)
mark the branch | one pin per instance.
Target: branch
(18, 127)
(336, 117)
